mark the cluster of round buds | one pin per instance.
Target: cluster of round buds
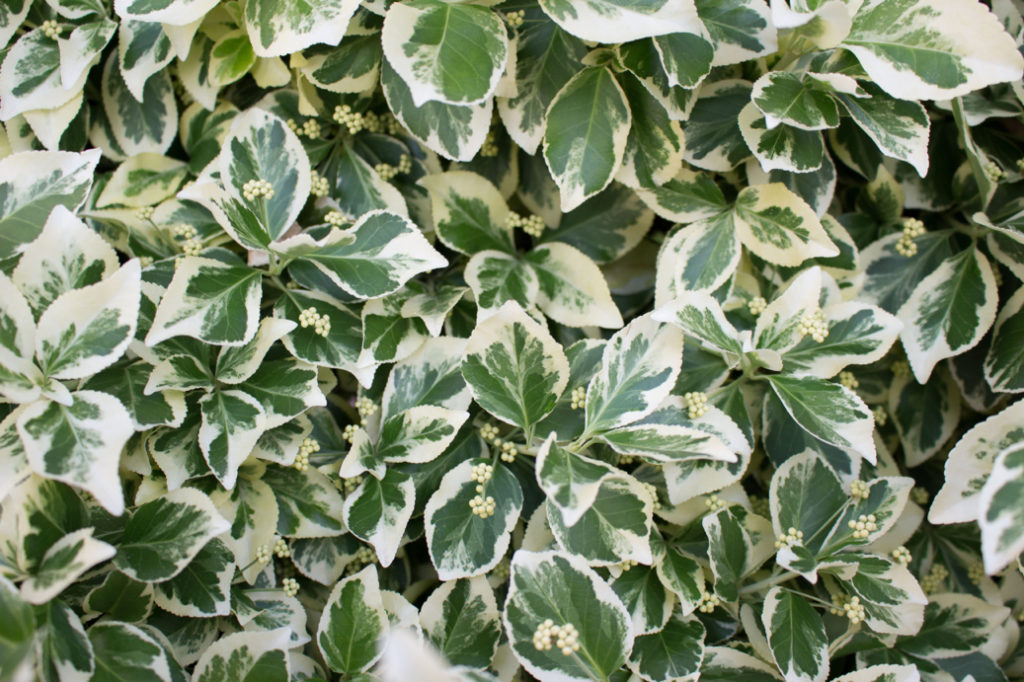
(532, 225)
(502, 570)
(321, 324)
(191, 247)
(900, 369)
(626, 459)
(145, 261)
(993, 172)
(813, 324)
(349, 433)
(404, 164)
(515, 18)
(564, 637)
(483, 506)
(391, 124)
(652, 490)
(335, 218)
(976, 572)
(366, 408)
(714, 502)
(349, 485)
(848, 380)
(509, 452)
(905, 245)
(344, 115)
(185, 231)
(859, 490)
(935, 578)
(849, 607)
(364, 557)
(789, 538)
(578, 398)
(489, 432)
(709, 601)
(306, 448)
(318, 185)
(51, 29)
(386, 171)
(881, 416)
(480, 474)
(311, 128)
(489, 149)
(263, 554)
(281, 549)
(919, 495)
(145, 213)
(863, 526)
(760, 505)
(696, 404)
(901, 555)
(757, 305)
(290, 586)
(627, 564)
(253, 189)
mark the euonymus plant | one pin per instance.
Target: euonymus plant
(567, 340)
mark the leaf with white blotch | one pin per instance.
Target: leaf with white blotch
(885, 500)
(618, 21)
(782, 147)
(806, 494)
(858, 334)
(430, 376)
(891, 278)
(514, 368)
(340, 348)
(309, 506)
(143, 49)
(897, 126)
(684, 577)
(181, 373)
(63, 652)
(85, 330)
(66, 255)
(1004, 362)
(252, 511)
(63, 563)
(143, 180)
(645, 60)
(238, 363)
(615, 528)
(954, 625)
(232, 423)
(700, 316)
(325, 559)
(352, 66)
(1000, 510)
(30, 76)
(32, 184)
(572, 290)
(674, 652)
(469, 212)
(286, 388)
(796, 636)
(280, 28)
(909, 401)
(891, 596)
(461, 543)
(433, 307)
(387, 251)
(451, 53)
(713, 141)
(418, 434)
(202, 589)
(164, 535)
(496, 277)
(455, 132)
(642, 593)
(126, 652)
(461, 618)
(173, 12)
(697, 258)
(606, 227)
(970, 462)
(149, 125)
(259, 147)
(353, 621)
(379, 510)
(245, 656)
(537, 592)
(665, 443)
(388, 336)
(585, 135)
(949, 311)
(639, 366)
(546, 58)
(570, 480)
(798, 100)
(831, 413)
(932, 49)
(778, 326)
(79, 443)
(778, 226)
(210, 301)
(690, 196)
(739, 30)
(724, 664)
(277, 610)
(12, 14)
(738, 543)
(882, 673)
(654, 150)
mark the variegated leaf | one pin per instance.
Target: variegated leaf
(470, 215)
(203, 588)
(782, 147)
(898, 127)
(796, 636)
(64, 562)
(1000, 510)
(379, 510)
(242, 655)
(496, 277)
(739, 30)
(143, 180)
(571, 289)
(665, 443)
(700, 316)
(712, 139)
(571, 481)
(281, 27)
(149, 125)
(461, 618)
(777, 225)
(1004, 362)
(618, 21)
(352, 623)
(858, 334)
(419, 434)
(126, 651)
(232, 423)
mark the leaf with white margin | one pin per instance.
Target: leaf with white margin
(387, 251)
(454, 132)
(143, 180)
(682, 576)
(470, 214)
(882, 673)
(259, 146)
(17, 326)
(777, 225)
(232, 423)
(570, 480)
(673, 653)
(418, 434)
(252, 511)
(143, 48)
(796, 636)
(64, 653)
(461, 543)
(164, 535)
(433, 307)
(940, 399)
(886, 499)
(778, 325)
(654, 150)
(173, 12)
(639, 366)
(585, 135)
(353, 621)
(179, 373)
(461, 618)
(739, 30)
(13, 465)
(430, 376)
(286, 388)
(644, 60)
(667, 443)
(698, 258)
(971, 461)
(79, 443)
(124, 651)
(619, 21)
(537, 589)
(278, 610)
(893, 600)
(897, 126)
(831, 413)
(1004, 362)
(955, 624)
(66, 255)
(738, 543)
(798, 100)
(605, 227)
(379, 510)
(64, 562)
(11, 17)
(278, 28)
(932, 49)
(238, 363)
(723, 664)
(514, 367)
(244, 656)
(147, 126)
(451, 53)
(616, 527)
(353, 66)
(496, 278)
(700, 315)
(210, 301)
(1000, 510)
(806, 494)
(309, 506)
(203, 588)
(645, 597)
(30, 76)
(782, 147)
(340, 348)
(858, 334)
(572, 289)
(949, 311)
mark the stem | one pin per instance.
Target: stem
(769, 582)
(416, 589)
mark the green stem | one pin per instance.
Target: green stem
(769, 582)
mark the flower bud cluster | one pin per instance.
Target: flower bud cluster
(483, 506)
(863, 526)
(813, 324)
(290, 586)
(321, 324)
(790, 538)
(850, 607)
(859, 490)
(352, 120)
(901, 555)
(578, 398)
(696, 404)
(306, 448)
(906, 246)
(757, 305)
(709, 601)
(318, 185)
(254, 189)
(532, 225)
(564, 637)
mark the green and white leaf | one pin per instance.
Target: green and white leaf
(469, 212)
(245, 656)
(233, 421)
(379, 510)
(897, 126)
(203, 588)
(143, 49)
(173, 12)
(1004, 362)
(674, 652)
(882, 673)
(419, 434)
(739, 30)
(282, 27)
(738, 543)
(31, 76)
(798, 100)
(430, 376)
(572, 290)
(712, 139)
(697, 258)
(124, 651)
(778, 325)
(700, 315)
(893, 600)
(806, 494)
(353, 66)
(570, 480)
(858, 334)
(63, 651)
(143, 180)
(619, 21)
(343, 343)
(149, 125)
(782, 147)
(642, 593)
(605, 227)
(235, 364)
(940, 398)
(461, 618)
(352, 623)
(309, 506)
(251, 508)
(63, 563)
(777, 225)
(496, 278)
(1000, 510)
(796, 636)
(654, 150)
